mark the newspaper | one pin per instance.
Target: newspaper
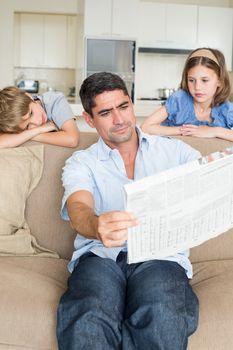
(181, 207)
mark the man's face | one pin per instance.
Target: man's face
(113, 117)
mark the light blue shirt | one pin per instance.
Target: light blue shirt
(180, 109)
(101, 171)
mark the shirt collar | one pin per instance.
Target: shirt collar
(105, 152)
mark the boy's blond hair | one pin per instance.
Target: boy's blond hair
(14, 104)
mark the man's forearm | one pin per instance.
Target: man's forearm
(83, 219)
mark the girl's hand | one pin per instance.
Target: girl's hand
(198, 131)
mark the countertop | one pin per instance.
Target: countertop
(142, 108)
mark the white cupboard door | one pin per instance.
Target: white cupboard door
(181, 26)
(71, 41)
(55, 41)
(125, 18)
(31, 40)
(151, 24)
(215, 30)
(97, 17)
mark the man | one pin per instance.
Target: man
(110, 304)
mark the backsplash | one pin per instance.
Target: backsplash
(49, 79)
(155, 71)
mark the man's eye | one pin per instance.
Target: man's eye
(30, 114)
(124, 106)
(104, 114)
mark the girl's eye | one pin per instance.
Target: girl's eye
(30, 114)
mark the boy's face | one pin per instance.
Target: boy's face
(34, 118)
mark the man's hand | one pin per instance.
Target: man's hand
(112, 227)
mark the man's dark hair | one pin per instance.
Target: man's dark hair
(96, 84)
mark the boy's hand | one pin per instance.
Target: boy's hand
(47, 127)
(50, 126)
(112, 227)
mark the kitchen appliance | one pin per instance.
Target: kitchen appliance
(111, 55)
(29, 85)
(165, 93)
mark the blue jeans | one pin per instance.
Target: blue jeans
(114, 305)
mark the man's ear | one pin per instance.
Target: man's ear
(88, 119)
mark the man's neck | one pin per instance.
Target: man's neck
(128, 152)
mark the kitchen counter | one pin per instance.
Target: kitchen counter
(142, 110)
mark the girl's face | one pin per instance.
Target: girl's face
(34, 118)
(202, 83)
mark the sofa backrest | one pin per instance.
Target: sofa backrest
(43, 205)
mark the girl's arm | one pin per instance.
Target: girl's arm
(68, 136)
(152, 124)
(14, 140)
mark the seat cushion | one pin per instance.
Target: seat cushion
(30, 289)
(213, 284)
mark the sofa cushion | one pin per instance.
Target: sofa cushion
(213, 284)
(20, 172)
(30, 289)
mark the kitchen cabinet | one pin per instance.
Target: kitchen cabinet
(111, 18)
(215, 30)
(167, 25)
(30, 29)
(45, 41)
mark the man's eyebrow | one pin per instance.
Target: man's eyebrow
(105, 110)
(110, 109)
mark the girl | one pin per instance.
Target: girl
(24, 117)
(200, 107)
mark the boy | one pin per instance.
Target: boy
(24, 117)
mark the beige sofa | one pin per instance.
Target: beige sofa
(31, 286)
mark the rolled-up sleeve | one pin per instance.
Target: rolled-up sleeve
(76, 176)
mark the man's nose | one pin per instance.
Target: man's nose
(117, 117)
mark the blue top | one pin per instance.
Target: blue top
(180, 109)
(56, 107)
(101, 171)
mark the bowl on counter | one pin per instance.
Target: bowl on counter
(165, 93)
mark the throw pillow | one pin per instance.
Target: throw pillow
(20, 171)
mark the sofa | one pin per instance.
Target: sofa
(36, 246)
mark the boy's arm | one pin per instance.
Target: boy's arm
(151, 125)
(110, 227)
(14, 140)
(68, 136)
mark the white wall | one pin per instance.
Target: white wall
(221, 3)
(158, 71)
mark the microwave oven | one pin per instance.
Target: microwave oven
(29, 85)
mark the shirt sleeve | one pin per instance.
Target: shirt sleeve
(76, 176)
(178, 108)
(57, 108)
(229, 115)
